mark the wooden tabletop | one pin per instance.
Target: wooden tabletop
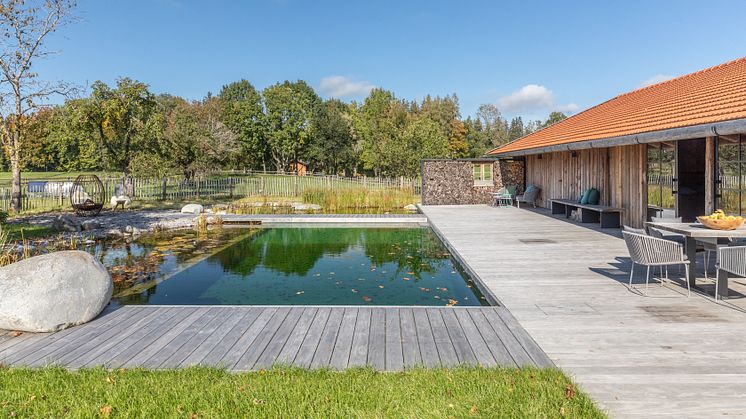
(698, 230)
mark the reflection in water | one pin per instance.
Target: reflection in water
(382, 266)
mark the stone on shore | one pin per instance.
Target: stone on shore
(192, 209)
(51, 292)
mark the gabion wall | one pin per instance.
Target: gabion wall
(451, 182)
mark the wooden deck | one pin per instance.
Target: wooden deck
(244, 338)
(637, 356)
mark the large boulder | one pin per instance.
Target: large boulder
(192, 209)
(52, 292)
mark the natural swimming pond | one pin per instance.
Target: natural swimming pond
(290, 266)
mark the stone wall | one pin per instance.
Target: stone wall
(451, 182)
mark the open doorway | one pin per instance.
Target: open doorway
(689, 182)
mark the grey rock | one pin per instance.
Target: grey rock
(192, 209)
(89, 225)
(51, 292)
(132, 231)
(66, 222)
(306, 207)
(410, 207)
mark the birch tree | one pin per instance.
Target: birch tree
(24, 28)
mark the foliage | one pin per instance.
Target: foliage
(202, 392)
(290, 108)
(332, 149)
(241, 110)
(339, 200)
(128, 129)
(123, 120)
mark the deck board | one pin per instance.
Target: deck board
(253, 337)
(565, 284)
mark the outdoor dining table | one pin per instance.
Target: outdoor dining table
(693, 232)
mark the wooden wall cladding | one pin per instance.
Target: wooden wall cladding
(619, 173)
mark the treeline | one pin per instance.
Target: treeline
(129, 129)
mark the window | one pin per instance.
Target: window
(660, 179)
(482, 174)
(731, 188)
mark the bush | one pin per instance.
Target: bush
(3, 217)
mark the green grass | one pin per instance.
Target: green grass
(5, 177)
(18, 231)
(200, 392)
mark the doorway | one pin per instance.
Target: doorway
(689, 181)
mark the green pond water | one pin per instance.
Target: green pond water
(289, 266)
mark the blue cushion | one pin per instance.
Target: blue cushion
(585, 196)
(594, 196)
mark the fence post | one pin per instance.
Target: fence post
(163, 188)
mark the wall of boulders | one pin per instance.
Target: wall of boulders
(451, 182)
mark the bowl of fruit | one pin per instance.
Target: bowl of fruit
(719, 221)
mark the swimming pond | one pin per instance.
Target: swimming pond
(292, 266)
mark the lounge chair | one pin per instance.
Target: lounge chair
(529, 196)
(651, 251)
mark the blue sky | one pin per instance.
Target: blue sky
(529, 57)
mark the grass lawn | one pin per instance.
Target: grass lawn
(5, 177)
(201, 392)
(18, 231)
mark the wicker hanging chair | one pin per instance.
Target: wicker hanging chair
(87, 195)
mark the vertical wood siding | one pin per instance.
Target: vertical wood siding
(619, 173)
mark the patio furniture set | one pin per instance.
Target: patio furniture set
(505, 196)
(667, 242)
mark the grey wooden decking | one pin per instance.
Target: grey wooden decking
(637, 356)
(251, 337)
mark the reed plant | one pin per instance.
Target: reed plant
(359, 198)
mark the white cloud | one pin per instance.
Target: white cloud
(658, 78)
(533, 98)
(567, 109)
(341, 86)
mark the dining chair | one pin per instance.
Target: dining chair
(653, 251)
(731, 259)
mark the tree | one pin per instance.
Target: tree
(377, 124)
(181, 136)
(241, 111)
(494, 125)
(332, 145)
(554, 117)
(516, 129)
(23, 30)
(457, 145)
(289, 110)
(122, 120)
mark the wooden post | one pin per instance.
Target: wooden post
(163, 189)
(710, 175)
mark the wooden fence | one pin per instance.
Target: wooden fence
(40, 195)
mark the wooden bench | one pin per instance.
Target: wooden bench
(608, 217)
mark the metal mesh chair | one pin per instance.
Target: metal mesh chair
(731, 259)
(651, 251)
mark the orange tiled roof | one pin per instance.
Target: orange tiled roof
(715, 94)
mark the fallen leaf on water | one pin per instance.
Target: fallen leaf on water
(410, 273)
(354, 290)
(451, 302)
(380, 286)
(300, 293)
(366, 298)
(443, 289)
(405, 278)
(424, 289)
(437, 297)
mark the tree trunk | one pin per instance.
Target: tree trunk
(15, 167)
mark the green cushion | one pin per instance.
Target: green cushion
(529, 188)
(511, 189)
(585, 196)
(594, 197)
